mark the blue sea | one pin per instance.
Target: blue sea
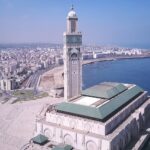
(135, 71)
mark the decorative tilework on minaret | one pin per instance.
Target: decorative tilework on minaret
(72, 58)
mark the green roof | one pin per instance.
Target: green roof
(40, 139)
(105, 90)
(103, 111)
(63, 147)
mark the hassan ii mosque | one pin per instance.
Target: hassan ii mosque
(107, 116)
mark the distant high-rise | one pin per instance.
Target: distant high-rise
(72, 58)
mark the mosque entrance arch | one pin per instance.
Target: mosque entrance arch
(68, 139)
(48, 133)
(91, 145)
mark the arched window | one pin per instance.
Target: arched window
(74, 56)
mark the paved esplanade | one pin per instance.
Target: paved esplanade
(17, 122)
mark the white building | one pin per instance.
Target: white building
(108, 116)
(7, 84)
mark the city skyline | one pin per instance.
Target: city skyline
(102, 22)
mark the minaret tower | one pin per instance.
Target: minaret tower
(72, 58)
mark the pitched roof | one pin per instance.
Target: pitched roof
(40, 139)
(105, 90)
(103, 111)
(63, 147)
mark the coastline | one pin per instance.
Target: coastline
(86, 62)
(57, 71)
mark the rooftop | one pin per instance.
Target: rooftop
(105, 90)
(101, 101)
(40, 139)
(63, 147)
(72, 13)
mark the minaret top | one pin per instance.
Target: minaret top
(72, 8)
(72, 13)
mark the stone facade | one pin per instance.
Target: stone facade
(72, 58)
(86, 134)
(7, 84)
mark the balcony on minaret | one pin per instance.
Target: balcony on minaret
(73, 39)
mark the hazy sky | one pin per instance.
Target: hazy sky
(106, 22)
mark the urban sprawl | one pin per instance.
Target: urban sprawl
(21, 67)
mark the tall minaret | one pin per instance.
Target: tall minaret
(72, 58)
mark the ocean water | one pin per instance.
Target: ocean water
(135, 71)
